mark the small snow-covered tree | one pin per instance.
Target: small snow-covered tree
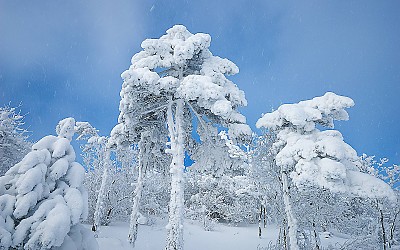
(98, 144)
(116, 196)
(178, 78)
(308, 157)
(13, 143)
(42, 200)
(388, 214)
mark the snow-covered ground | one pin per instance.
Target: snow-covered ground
(223, 237)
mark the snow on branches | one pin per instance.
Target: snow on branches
(42, 198)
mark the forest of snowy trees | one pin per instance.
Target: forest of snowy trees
(181, 149)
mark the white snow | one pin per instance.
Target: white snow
(306, 114)
(223, 237)
(44, 204)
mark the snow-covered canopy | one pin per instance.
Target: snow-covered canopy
(305, 115)
(179, 65)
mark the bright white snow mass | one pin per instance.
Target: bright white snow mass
(42, 198)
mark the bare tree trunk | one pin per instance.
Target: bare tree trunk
(393, 226)
(381, 219)
(285, 243)
(265, 215)
(259, 221)
(133, 226)
(315, 237)
(176, 133)
(291, 220)
(102, 192)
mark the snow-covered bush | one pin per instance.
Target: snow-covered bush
(42, 200)
(219, 185)
(13, 144)
(156, 194)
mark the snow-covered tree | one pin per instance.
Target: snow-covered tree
(178, 78)
(99, 145)
(42, 200)
(141, 123)
(115, 198)
(307, 157)
(13, 143)
(389, 221)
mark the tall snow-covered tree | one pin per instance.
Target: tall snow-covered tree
(141, 123)
(13, 139)
(178, 78)
(42, 200)
(307, 157)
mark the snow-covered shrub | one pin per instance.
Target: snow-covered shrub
(42, 197)
(219, 186)
(226, 199)
(156, 194)
(13, 144)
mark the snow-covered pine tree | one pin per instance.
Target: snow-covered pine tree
(178, 77)
(42, 200)
(141, 122)
(308, 157)
(13, 139)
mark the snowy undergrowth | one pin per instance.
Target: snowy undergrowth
(223, 237)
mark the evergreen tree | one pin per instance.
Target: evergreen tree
(177, 78)
(42, 199)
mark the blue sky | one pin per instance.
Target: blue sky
(64, 58)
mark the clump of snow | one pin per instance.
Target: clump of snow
(306, 114)
(239, 131)
(367, 186)
(65, 128)
(42, 196)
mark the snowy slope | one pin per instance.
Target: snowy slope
(223, 237)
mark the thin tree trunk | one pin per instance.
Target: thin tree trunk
(315, 237)
(175, 223)
(291, 220)
(285, 243)
(102, 192)
(393, 227)
(265, 215)
(133, 226)
(259, 221)
(382, 228)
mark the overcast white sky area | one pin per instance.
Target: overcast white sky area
(64, 58)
